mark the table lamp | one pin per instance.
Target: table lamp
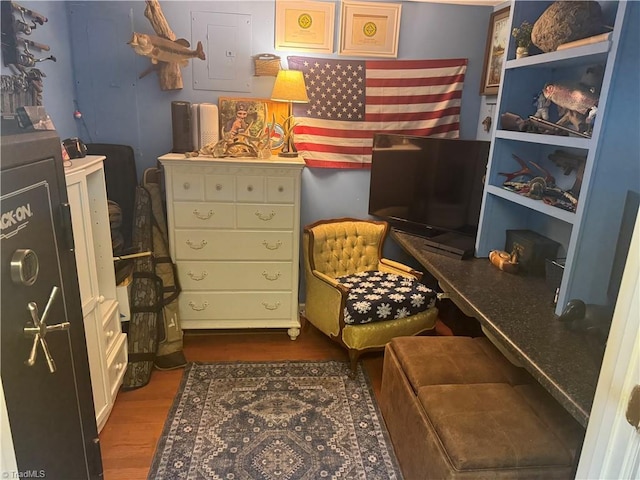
(289, 87)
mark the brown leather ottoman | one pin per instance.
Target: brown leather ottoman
(486, 421)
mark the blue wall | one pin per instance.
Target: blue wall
(120, 108)
(90, 40)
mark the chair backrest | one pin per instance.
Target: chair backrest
(344, 246)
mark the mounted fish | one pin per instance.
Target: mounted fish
(167, 53)
(575, 101)
(160, 49)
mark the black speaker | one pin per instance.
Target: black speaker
(181, 123)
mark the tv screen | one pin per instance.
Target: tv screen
(428, 186)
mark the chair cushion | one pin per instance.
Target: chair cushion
(377, 296)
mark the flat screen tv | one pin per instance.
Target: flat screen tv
(431, 187)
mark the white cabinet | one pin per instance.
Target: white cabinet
(588, 235)
(234, 230)
(106, 344)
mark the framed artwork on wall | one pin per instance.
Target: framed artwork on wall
(305, 26)
(495, 51)
(370, 29)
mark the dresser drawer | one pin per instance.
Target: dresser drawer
(265, 217)
(234, 305)
(117, 364)
(235, 275)
(234, 245)
(111, 331)
(204, 215)
(187, 186)
(281, 190)
(219, 187)
(250, 188)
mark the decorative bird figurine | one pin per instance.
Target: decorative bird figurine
(590, 318)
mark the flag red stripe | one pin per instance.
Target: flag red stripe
(414, 64)
(411, 116)
(408, 99)
(414, 82)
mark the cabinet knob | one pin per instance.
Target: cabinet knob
(249, 188)
(281, 189)
(119, 366)
(109, 334)
(186, 185)
(100, 298)
(218, 186)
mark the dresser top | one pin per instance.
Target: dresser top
(273, 161)
(79, 164)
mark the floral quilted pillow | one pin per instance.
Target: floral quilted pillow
(377, 296)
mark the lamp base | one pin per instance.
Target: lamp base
(288, 154)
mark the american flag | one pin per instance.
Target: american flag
(350, 100)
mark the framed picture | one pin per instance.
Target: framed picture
(305, 26)
(370, 29)
(495, 51)
(242, 115)
(276, 112)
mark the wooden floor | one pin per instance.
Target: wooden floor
(128, 440)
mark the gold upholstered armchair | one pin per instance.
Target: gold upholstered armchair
(355, 296)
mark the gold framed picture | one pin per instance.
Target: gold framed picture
(495, 51)
(305, 26)
(370, 29)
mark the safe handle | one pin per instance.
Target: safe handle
(40, 329)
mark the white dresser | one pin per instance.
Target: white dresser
(106, 344)
(234, 234)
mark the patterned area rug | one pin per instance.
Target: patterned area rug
(274, 421)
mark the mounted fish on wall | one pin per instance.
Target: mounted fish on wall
(167, 53)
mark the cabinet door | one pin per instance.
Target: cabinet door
(85, 256)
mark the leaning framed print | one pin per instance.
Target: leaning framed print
(277, 113)
(305, 26)
(369, 29)
(495, 51)
(242, 116)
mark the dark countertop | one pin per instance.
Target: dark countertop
(518, 312)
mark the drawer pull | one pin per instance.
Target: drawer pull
(281, 189)
(201, 216)
(186, 185)
(266, 275)
(249, 188)
(266, 217)
(218, 186)
(198, 308)
(271, 306)
(194, 246)
(270, 246)
(196, 277)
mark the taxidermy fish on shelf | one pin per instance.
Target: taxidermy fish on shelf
(160, 49)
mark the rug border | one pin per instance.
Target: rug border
(190, 365)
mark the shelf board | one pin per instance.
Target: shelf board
(558, 140)
(571, 57)
(537, 205)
